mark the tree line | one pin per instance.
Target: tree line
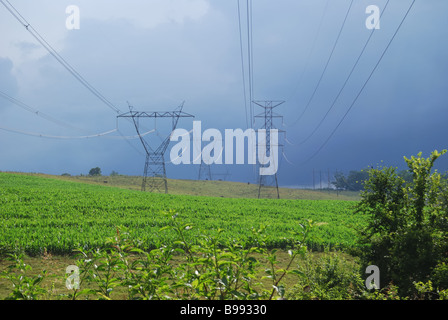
(355, 180)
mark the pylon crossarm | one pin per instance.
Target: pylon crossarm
(155, 171)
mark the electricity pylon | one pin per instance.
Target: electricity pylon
(205, 172)
(268, 184)
(154, 174)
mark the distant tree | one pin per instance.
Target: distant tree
(66, 174)
(406, 175)
(340, 181)
(354, 181)
(95, 172)
(114, 173)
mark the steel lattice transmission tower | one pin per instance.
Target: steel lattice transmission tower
(268, 184)
(154, 175)
(205, 172)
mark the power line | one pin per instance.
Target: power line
(248, 90)
(96, 135)
(326, 65)
(16, 14)
(41, 135)
(242, 62)
(250, 54)
(38, 113)
(55, 54)
(312, 46)
(130, 144)
(346, 80)
(364, 85)
(60, 123)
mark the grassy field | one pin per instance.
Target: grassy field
(225, 189)
(50, 216)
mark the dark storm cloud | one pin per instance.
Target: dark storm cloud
(402, 108)
(400, 112)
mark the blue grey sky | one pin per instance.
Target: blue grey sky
(156, 54)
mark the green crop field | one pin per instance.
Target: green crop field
(56, 215)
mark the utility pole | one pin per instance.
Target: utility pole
(337, 189)
(154, 174)
(268, 183)
(320, 179)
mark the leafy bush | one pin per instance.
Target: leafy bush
(330, 277)
(407, 232)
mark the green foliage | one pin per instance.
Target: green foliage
(340, 181)
(355, 180)
(406, 175)
(427, 291)
(352, 182)
(38, 213)
(407, 232)
(95, 172)
(330, 277)
(439, 276)
(390, 292)
(24, 286)
(216, 268)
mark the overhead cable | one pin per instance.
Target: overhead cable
(55, 54)
(364, 85)
(345, 82)
(326, 65)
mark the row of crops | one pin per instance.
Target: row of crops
(40, 213)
